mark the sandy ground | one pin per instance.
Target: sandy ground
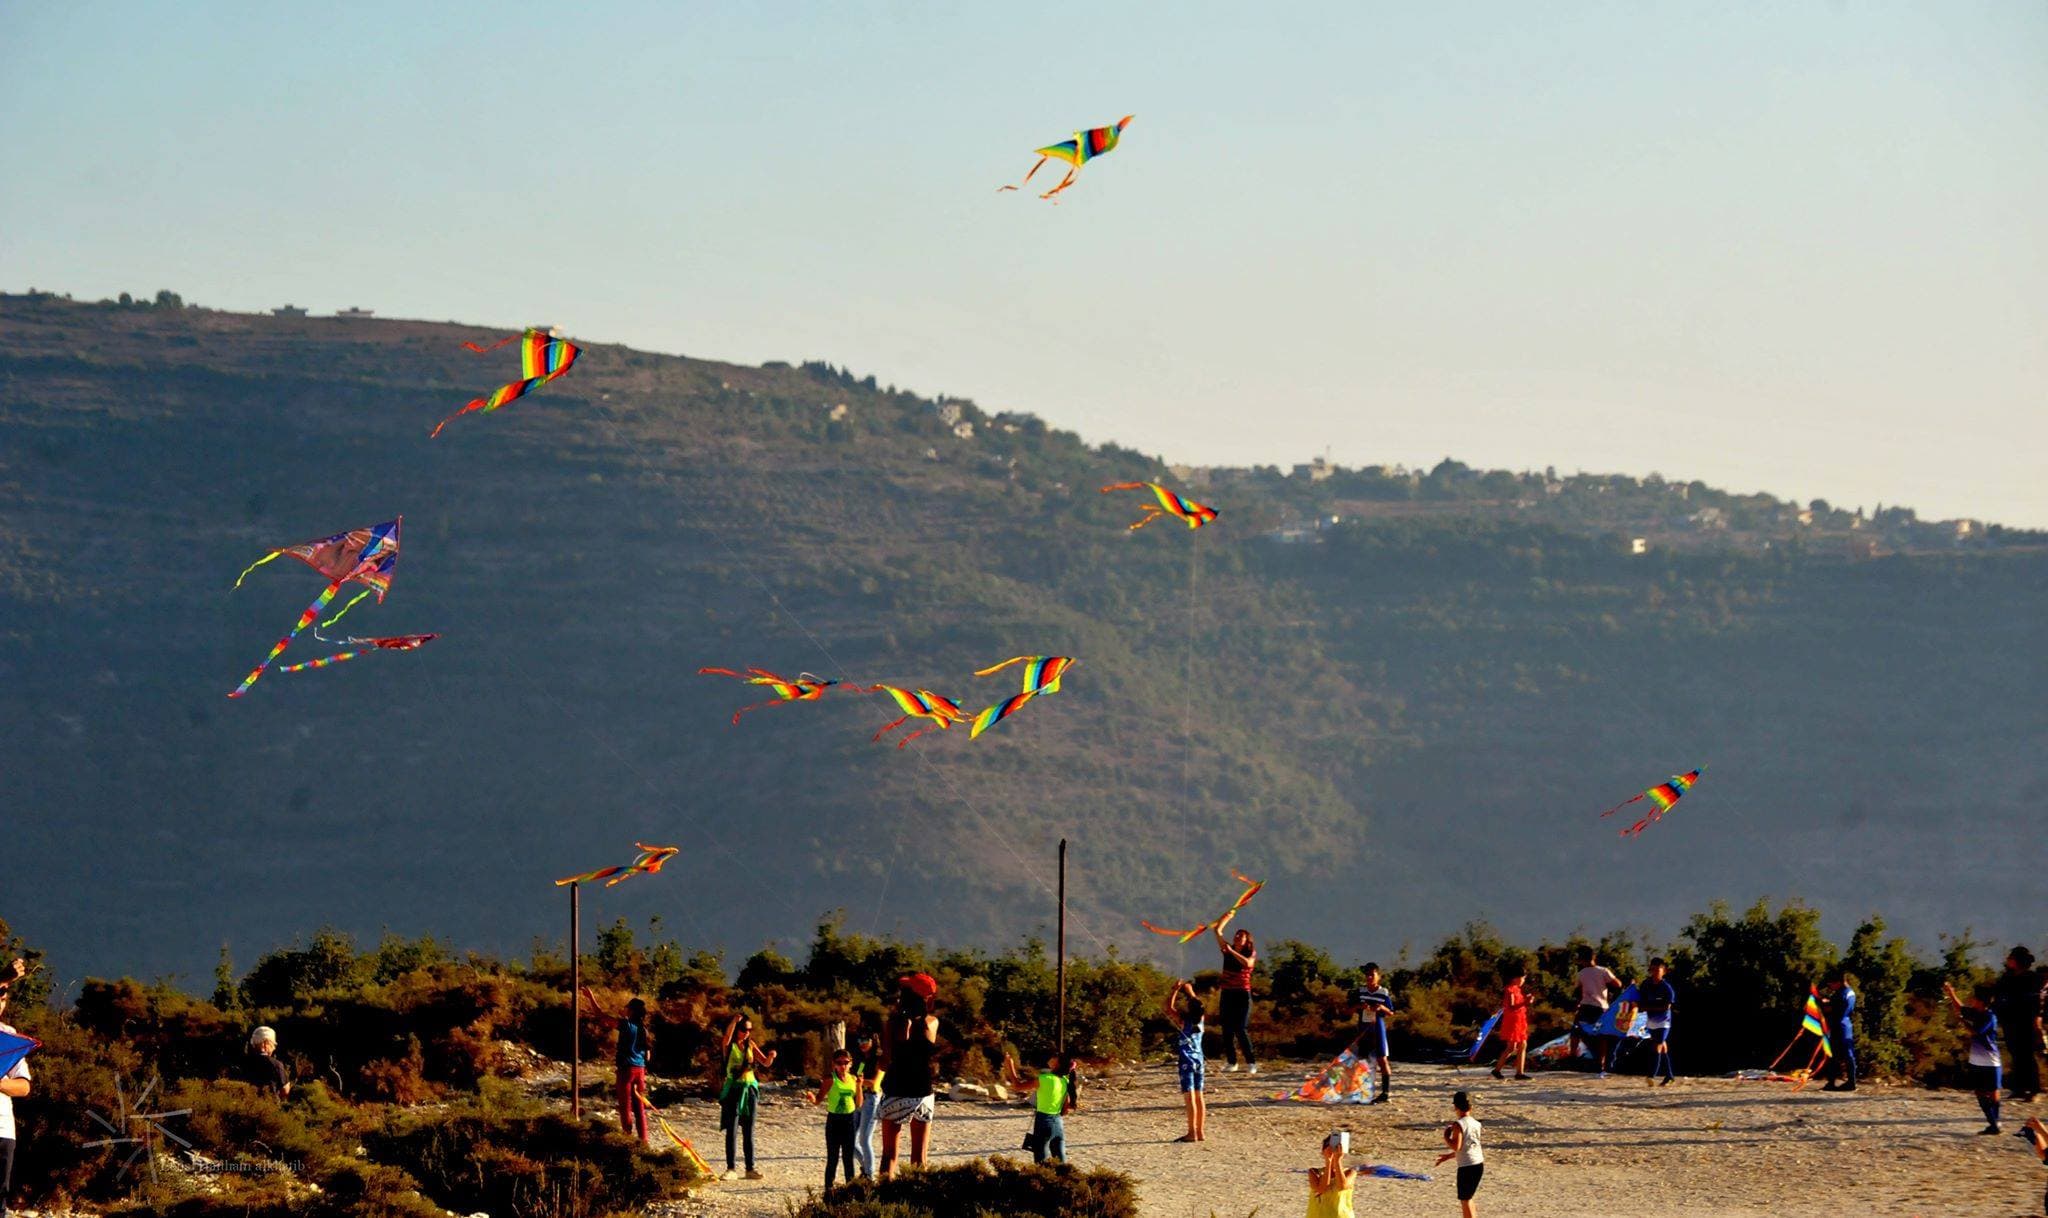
(1562, 1144)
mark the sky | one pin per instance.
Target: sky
(1799, 248)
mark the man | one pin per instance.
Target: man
(1596, 984)
(2017, 1003)
(1838, 1004)
(265, 1072)
(13, 1087)
(1375, 1004)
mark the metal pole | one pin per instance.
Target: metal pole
(576, 1003)
(1062, 1034)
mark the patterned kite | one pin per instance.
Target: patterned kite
(1251, 890)
(542, 358)
(402, 642)
(1041, 676)
(651, 860)
(1169, 504)
(918, 704)
(1076, 152)
(1811, 1020)
(1347, 1080)
(1661, 797)
(806, 687)
(363, 556)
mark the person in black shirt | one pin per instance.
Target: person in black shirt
(2016, 1001)
(262, 1068)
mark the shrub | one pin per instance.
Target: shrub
(996, 1188)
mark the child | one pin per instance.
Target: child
(635, 1044)
(1985, 1075)
(1329, 1186)
(1840, 1006)
(1462, 1136)
(740, 1091)
(1514, 1023)
(1187, 1052)
(840, 1093)
(2036, 1135)
(1658, 998)
(1055, 1098)
(1375, 1007)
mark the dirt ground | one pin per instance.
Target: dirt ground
(1562, 1144)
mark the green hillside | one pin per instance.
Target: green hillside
(1407, 716)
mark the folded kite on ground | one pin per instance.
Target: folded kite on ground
(1347, 1080)
(1661, 797)
(651, 860)
(364, 556)
(1194, 514)
(806, 687)
(1076, 152)
(542, 358)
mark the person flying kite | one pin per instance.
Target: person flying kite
(1661, 797)
(1195, 514)
(1076, 152)
(542, 358)
(806, 687)
(363, 556)
(918, 704)
(651, 860)
(1041, 676)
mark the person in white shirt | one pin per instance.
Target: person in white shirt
(1462, 1136)
(13, 1087)
(1596, 983)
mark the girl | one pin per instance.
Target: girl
(1187, 1051)
(740, 1092)
(1462, 1136)
(1240, 955)
(1329, 1186)
(1514, 1023)
(909, 1042)
(840, 1094)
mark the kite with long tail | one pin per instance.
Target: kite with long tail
(918, 704)
(1661, 797)
(806, 687)
(363, 556)
(1195, 514)
(651, 860)
(1041, 676)
(1076, 152)
(542, 358)
(361, 647)
(1251, 890)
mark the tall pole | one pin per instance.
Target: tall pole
(576, 1003)
(1062, 1035)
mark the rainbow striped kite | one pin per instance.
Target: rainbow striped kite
(1170, 504)
(402, 642)
(1251, 890)
(1076, 152)
(1661, 797)
(651, 860)
(918, 704)
(364, 556)
(542, 358)
(1811, 1020)
(806, 687)
(1042, 675)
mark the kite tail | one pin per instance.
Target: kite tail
(756, 706)
(494, 346)
(344, 609)
(1623, 804)
(1151, 514)
(305, 619)
(252, 566)
(912, 736)
(1183, 935)
(1027, 177)
(892, 727)
(478, 403)
(1064, 182)
(324, 661)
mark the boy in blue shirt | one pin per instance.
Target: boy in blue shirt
(1187, 1052)
(1375, 1005)
(1984, 1060)
(1657, 998)
(1839, 1005)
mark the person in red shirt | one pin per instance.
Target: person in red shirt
(1514, 1023)
(1240, 955)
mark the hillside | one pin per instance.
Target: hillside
(1407, 717)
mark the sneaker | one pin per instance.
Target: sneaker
(1989, 1129)
(729, 1174)
(1252, 1069)
(754, 1175)
(1602, 1074)
(1383, 1098)
(1231, 1069)
(1523, 1078)
(1668, 1080)
(1497, 1074)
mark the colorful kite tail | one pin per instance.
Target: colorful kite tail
(494, 346)
(345, 608)
(252, 566)
(323, 662)
(1064, 183)
(876, 738)
(1027, 177)
(1151, 514)
(475, 405)
(305, 619)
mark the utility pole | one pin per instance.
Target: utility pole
(576, 1003)
(1062, 949)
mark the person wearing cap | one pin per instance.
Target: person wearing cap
(264, 1071)
(2016, 1000)
(909, 1043)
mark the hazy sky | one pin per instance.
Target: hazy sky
(1800, 248)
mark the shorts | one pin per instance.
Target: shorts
(905, 1109)
(1660, 1034)
(1191, 1074)
(1468, 1180)
(1372, 1042)
(1986, 1078)
(1591, 1014)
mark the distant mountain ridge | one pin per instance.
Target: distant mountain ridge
(1405, 717)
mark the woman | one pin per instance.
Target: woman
(1239, 957)
(867, 1067)
(740, 1092)
(909, 1042)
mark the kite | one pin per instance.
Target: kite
(1347, 1080)
(689, 1151)
(364, 556)
(806, 687)
(1169, 504)
(1812, 1022)
(918, 704)
(1485, 1030)
(402, 642)
(1384, 1172)
(651, 860)
(1076, 152)
(1251, 890)
(1662, 797)
(13, 1049)
(1041, 676)
(542, 358)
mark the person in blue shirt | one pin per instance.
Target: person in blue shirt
(1839, 1005)
(1375, 1005)
(1186, 1020)
(1657, 998)
(635, 1043)
(1985, 1074)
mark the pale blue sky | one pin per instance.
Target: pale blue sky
(1800, 248)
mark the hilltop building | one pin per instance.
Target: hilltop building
(352, 311)
(290, 310)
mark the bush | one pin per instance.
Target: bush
(996, 1188)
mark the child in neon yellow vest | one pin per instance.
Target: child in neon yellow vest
(1053, 1098)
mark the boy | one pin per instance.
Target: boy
(1657, 998)
(1984, 1061)
(1375, 1005)
(840, 1093)
(1839, 1004)
(1187, 1051)
(634, 1045)
(1462, 1136)
(1053, 1099)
